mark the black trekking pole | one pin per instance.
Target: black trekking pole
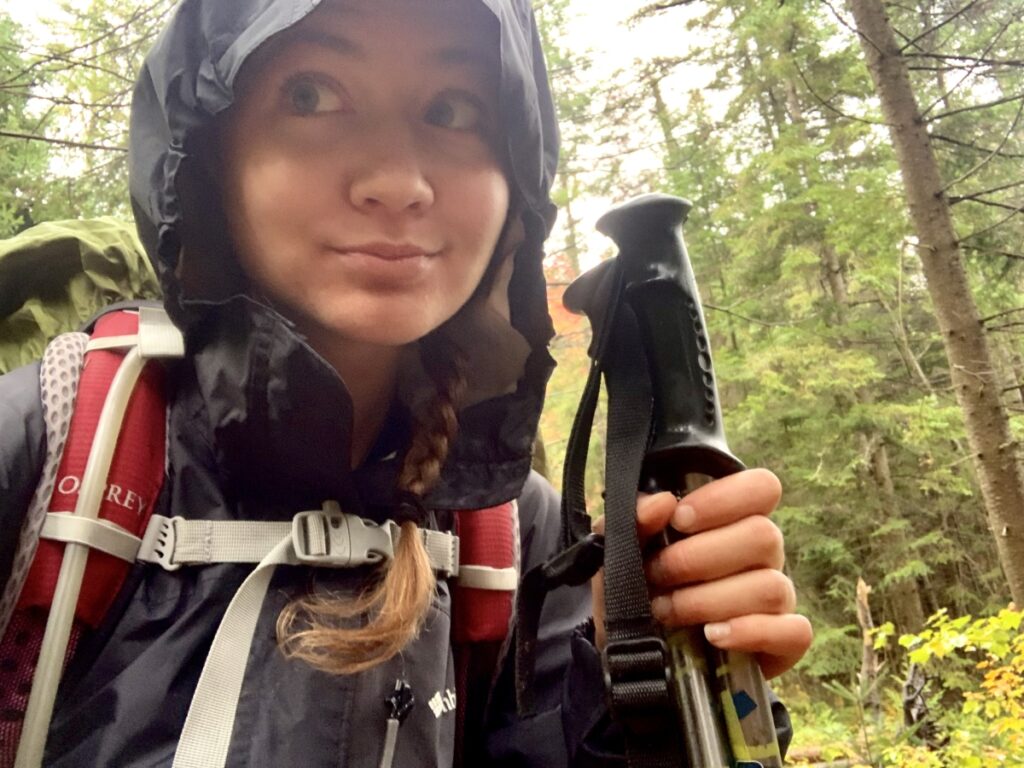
(721, 697)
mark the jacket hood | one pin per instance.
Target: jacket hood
(244, 354)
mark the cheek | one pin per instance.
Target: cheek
(265, 207)
(484, 204)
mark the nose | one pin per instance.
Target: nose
(391, 178)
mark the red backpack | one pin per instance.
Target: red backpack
(91, 518)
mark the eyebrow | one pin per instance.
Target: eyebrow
(462, 57)
(327, 40)
(454, 57)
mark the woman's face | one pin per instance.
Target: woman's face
(363, 187)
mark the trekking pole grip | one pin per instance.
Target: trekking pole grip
(721, 697)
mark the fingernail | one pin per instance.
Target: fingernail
(683, 518)
(661, 607)
(715, 632)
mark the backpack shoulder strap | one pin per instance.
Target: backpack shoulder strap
(114, 425)
(59, 374)
(482, 605)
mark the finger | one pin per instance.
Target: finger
(653, 512)
(778, 642)
(761, 591)
(748, 544)
(728, 499)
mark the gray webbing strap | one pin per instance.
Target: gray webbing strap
(326, 538)
(172, 542)
(92, 532)
(211, 717)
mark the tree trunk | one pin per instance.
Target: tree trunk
(904, 595)
(971, 368)
(868, 657)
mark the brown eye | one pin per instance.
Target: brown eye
(306, 95)
(458, 111)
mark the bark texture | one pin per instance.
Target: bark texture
(971, 367)
(868, 657)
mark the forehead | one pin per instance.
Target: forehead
(445, 32)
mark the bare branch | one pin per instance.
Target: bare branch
(138, 14)
(765, 323)
(827, 103)
(61, 142)
(993, 251)
(95, 105)
(1005, 326)
(938, 26)
(656, 8)
(989, 191)
(970, 70)
(981, 60)
(975, 147)
(986, 105)
(990, 227)
(1004, 313)
(839, 17)
(988, 158)
(983, 201)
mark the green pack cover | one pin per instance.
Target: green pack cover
(55, 276)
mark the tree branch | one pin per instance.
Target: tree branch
(1004, 313)
(839, 17)
(938, 26)
(988, 158)
(975, 147)
(655, 8)
(993, 251)
(981, 60)
(989, 191)
(61, 142)
(982, 201)
(827, 103)
(970, 70)
(92, 105)
(990, 227)
(986, 105)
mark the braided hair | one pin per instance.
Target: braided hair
(324, 631)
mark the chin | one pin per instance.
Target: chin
(386, 334)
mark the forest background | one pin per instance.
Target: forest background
(857, 231)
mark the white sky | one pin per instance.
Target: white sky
(600, 26)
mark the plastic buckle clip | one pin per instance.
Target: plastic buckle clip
(638, 677)
(161, 540)
(330, 537)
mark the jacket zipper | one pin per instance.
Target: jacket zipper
(399, 704)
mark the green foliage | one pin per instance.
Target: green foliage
(974, 669)
(22, 163)
(72, 91)
(982, 662)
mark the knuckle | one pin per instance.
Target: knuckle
(777, 592)
(770, 543)
(686, 607)
(680, 566)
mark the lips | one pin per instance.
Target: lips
(386, 251)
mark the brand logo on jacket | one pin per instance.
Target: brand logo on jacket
(442, 702)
